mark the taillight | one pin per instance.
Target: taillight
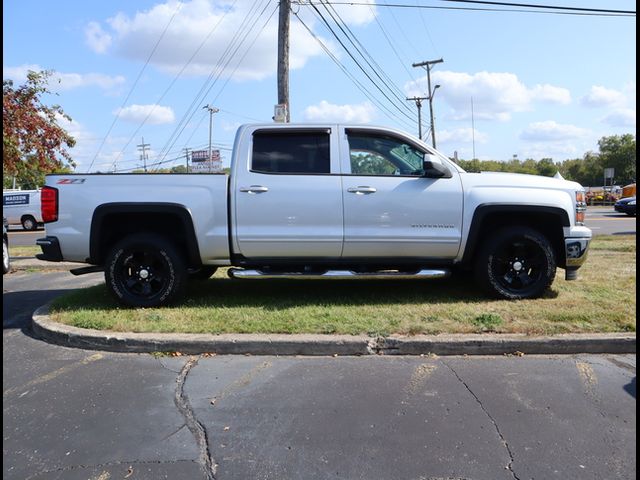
(49, 204)
(581, 208)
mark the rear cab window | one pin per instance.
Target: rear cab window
(291, 152)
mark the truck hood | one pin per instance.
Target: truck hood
(502, 180)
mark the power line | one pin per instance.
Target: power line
(362, 69)
(614, 13)
(367, 93)
(360, 48)
(388, 38)
(135, 83)
(175, 79)
(222, 70)
(199, 97)
(550, 7)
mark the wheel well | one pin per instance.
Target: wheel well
(548, 222)
(112, 223)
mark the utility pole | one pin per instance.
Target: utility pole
(283, 56)
(418, 101)
(143, 155)
(473, 131)
(186, 156)
(429, 65)
(212, 110)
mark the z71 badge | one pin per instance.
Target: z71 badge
(68, 181)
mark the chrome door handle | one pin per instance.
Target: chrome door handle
(254, 189)
(361, 190)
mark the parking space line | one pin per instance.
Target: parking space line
(56, 373)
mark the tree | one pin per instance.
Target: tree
(32, 140)
(619, 152)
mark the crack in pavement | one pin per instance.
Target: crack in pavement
(196, 428)
(493, 421)
(165, 367)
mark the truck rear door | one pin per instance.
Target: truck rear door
(288, 196)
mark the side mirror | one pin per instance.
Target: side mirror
(434, 169)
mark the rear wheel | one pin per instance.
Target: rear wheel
(145, 271)
(516, 263)
(29, 223)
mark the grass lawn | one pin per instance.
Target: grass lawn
(23, 251)
(603, 299)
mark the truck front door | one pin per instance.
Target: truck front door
(390, 209)
(288, 200)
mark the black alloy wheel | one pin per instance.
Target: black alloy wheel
(516, 263)
(145, 271)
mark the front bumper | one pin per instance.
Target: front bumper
(576, 250)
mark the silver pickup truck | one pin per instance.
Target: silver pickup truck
(317, 201)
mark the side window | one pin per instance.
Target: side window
(291, 152)
(380, 154)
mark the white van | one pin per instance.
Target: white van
(22, 207)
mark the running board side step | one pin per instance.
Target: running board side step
(85, 270)
(339, 274)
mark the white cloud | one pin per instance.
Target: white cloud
(557, 151)
(495, 95)
(461, 135)
(550, 131)
(215, 23)
(97, 39)
(66, 81)
(551, 94)
(625, 117)
(600, 96)
(328, 112)
(154, 114)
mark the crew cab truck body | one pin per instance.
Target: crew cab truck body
(312, 201)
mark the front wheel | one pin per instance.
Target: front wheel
(145, 270)
(6, 261)
(516, 263)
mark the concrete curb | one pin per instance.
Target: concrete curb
(269, 344)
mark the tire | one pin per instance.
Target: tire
(516, 263)
(29, 223)
(6, 260)
(145, 270)
(203, 273)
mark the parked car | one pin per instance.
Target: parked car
(22, 207)
(626, 205)
(6, 261)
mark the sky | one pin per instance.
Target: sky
(512, 84)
